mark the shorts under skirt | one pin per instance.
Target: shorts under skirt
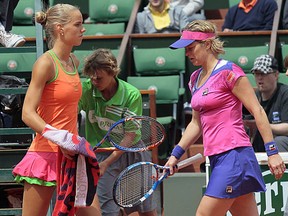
(37, 168)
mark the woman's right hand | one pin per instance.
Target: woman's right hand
(67, 154)
(171, 163)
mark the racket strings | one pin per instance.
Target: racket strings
(138, 133)
(134, 184)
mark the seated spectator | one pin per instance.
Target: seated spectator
(160, 16)
(192, 8)
(273, 97)
(250, 15)
(285, 16)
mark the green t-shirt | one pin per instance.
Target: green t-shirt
(101, 114)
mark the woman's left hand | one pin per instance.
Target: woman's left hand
(276, 166)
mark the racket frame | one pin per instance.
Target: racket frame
(119, 147)
(180, 165)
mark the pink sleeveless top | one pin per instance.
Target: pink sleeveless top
(59, 104)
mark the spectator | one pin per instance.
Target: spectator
(8, 39)
(250, 15)
(273, 97)
(192, 8)
(160, 16)
(105, 100)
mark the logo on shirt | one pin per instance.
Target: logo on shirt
(205, 92)
(230, 77)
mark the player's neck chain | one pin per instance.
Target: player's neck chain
(205, 73)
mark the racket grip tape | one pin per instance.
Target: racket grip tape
(189, 161)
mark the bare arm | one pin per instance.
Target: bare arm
(109, 160)
(245, 93)
(280, 129)
(192, 132)
(43, 71)
(127, 141)
(193, 6)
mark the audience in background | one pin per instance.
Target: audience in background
(192, 8)
(273, 97)
(250, 15)
(160, 16)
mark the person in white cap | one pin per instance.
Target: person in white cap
(219, 89)
(273, 97)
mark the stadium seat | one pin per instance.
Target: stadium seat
(18, 63)
(26, 31)
(110, 10)
(233, 2)
(160, 61)
(163, 62)
(23, 13)
(283, 78)
(82, 54)
(251, 78)
(104, 29)
(167, 93)
(284, 52)
(244, 56)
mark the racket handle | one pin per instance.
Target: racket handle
(106, 149)
(189, 161)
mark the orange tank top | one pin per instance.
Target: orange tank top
(59, 104)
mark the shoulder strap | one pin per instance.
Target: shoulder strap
(54, 60)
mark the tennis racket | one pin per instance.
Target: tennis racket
(138, 181)
(134, 134)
